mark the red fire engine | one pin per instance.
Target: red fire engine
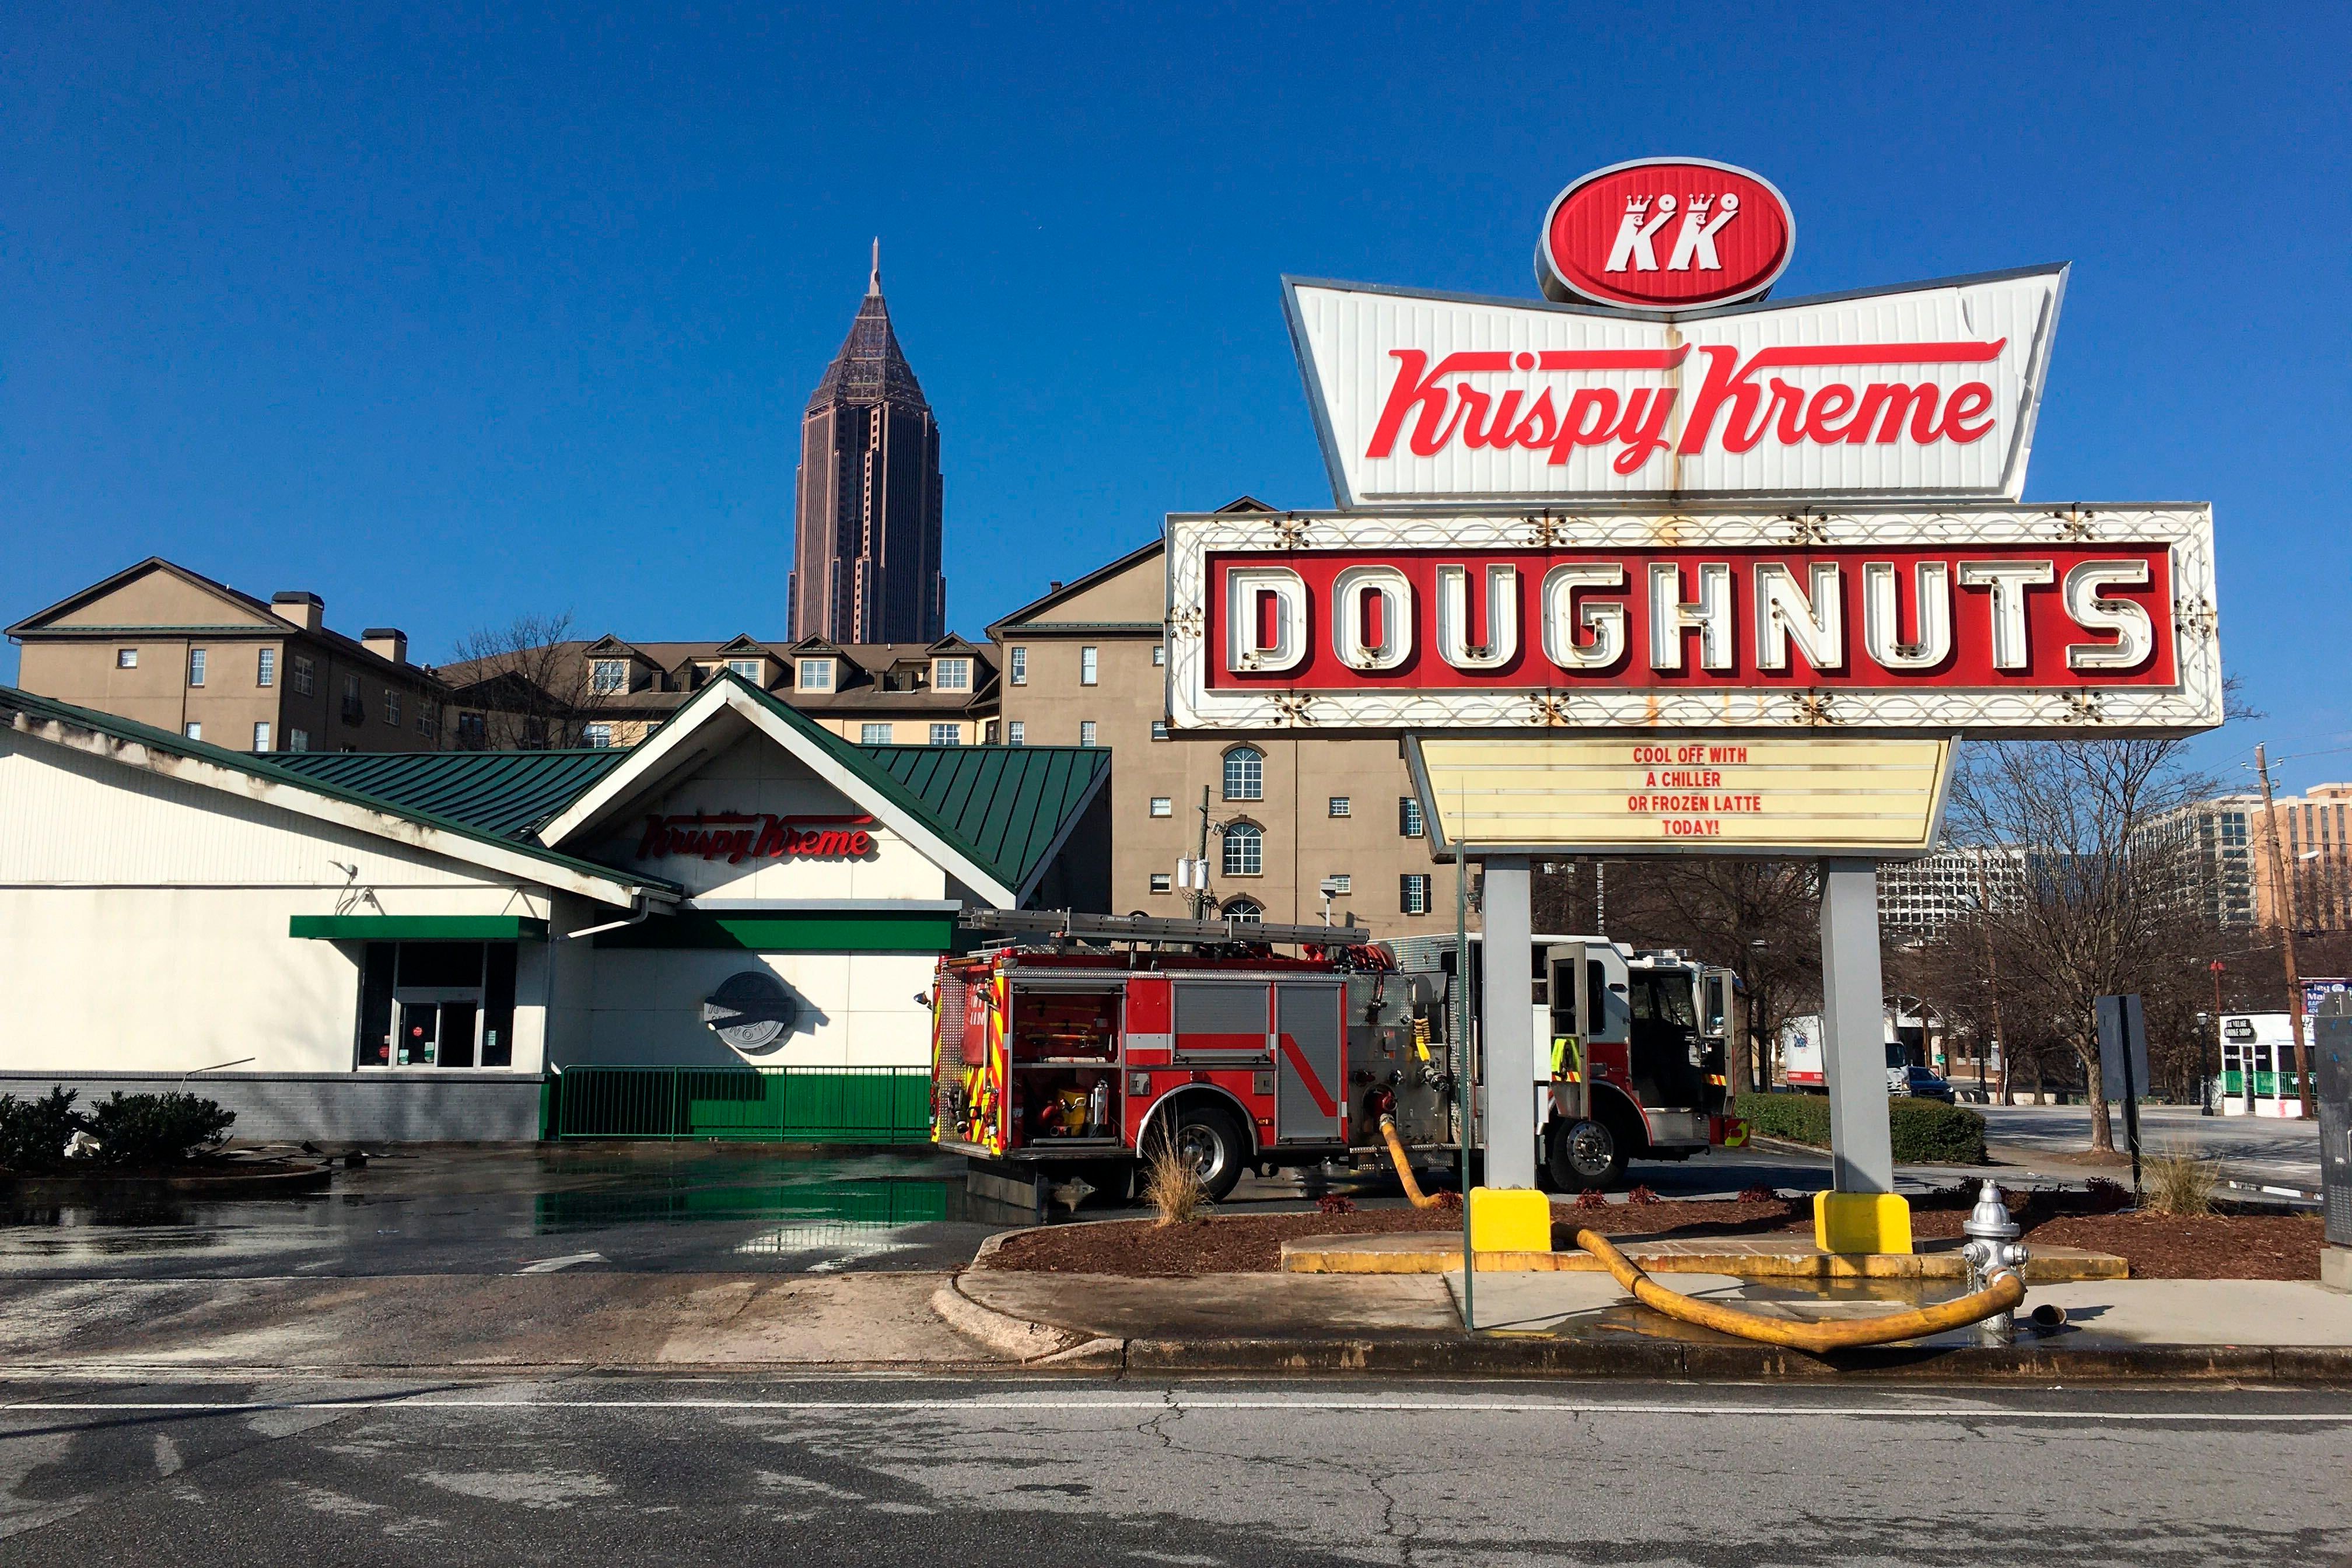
(1069, 1054)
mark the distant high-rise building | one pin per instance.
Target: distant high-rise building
(868, 513)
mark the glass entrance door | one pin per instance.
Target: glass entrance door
(436, 1027)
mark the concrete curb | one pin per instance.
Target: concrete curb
(1352, 1254)
(1018, 1339)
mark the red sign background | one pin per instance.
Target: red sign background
(1752, 247)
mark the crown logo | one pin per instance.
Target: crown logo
(1638, 205)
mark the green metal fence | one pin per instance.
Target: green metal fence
(769, 1105)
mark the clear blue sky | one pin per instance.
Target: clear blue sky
(453, 313)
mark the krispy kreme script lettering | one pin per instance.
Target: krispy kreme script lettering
(1738, 406)
(735, 837)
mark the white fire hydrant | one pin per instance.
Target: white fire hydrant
(1992, 1250)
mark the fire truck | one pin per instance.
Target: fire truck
(1071, 1052)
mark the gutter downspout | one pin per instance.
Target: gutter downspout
(639, 908)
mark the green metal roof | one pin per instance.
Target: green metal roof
(272, 767)
(1005, 806)
(505, 792)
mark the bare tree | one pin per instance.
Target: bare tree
(2107, 903)
(529, 681)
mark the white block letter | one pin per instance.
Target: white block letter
(1246, 587)
(1502, 643)
(1882, 619)
(2135, 636)
(1782, 612)
(1590, 636)
(1671, 615)
(2008, 579)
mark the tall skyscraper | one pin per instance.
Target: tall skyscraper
(867, 553)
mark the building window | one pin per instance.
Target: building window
(1160, 729)
(391, 707)
(1159, 655)
(608, 675)
(262, 736)
(352, 712)
(1244, 849)
(750, 669)
(1249, 912)
(1162, 882)
(195, 667)
(265, 668)
(195, 731)
(947, 734)
(990, 731)
(1017, 668)
(1343, 807)
(874, 734)
(126, 658)
(1413, 892)
(1163, 805)
(305, 681)
(816, 675)
(1085, 731)
(1409, 821)
(471, 735)
(424, 719)
(1089, 667)
(1016, 733)
(598, 736)
(953, 675)
(1244, 773)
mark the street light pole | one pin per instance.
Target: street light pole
(2286, 929)
(1992, 979)
(2220, 1052)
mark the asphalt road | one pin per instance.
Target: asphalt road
(1050, 1473)
(2252, 1148)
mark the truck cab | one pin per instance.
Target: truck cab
(1641, 1051)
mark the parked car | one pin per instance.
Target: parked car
(1923, 1083)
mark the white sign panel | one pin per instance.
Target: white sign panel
(1979, 619)
(1924, 391)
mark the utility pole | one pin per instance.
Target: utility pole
(2286, 929)
(1992, 979)
(1201, 876)
(2220, 1054)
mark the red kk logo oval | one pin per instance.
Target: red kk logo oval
(1665, 234)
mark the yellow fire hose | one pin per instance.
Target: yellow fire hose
(2002, 1295)
(1404, 1168)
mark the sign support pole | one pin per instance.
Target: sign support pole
(1853, 1029)
(1508, 1020)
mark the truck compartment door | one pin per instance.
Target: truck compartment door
(1309, 1083)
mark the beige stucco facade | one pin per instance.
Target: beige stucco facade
(1118, 612)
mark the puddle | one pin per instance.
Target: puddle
(847, 1206)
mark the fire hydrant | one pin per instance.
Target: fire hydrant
(1992, 1250)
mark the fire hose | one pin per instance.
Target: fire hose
(2002, 1292)
(1404, 1167)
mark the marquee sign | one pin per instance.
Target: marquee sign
(1991, 620)
(1709, 794)
(1665, 234)
(1925, 390)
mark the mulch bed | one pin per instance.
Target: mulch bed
(2158, 1246)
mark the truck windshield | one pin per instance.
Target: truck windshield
(1665, 999)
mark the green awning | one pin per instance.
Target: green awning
(419, 928)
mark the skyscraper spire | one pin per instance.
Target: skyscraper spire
(874, 283)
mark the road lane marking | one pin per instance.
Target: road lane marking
(1043, 1407)
(555, 1265)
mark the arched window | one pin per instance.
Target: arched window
(1244, 849)
(1249, 912)
(1244, 773)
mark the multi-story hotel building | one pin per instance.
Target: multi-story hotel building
(173, 650)
(2314, 852)
(1085, 665)
(1918, 899)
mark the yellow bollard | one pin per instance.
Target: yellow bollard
(1862, 1221)
(1509, 1219)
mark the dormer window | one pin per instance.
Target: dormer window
(608, 675)
(815, 675)
(951, 674)
(750, 669)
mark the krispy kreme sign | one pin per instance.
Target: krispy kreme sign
(1665, 234)
(1958, 618)
(736, 836)
(1926, 390)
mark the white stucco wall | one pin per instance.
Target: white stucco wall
(858, 1009)
(756, 775)
(144, 922)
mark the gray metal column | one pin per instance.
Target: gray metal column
(1507, 1025)
(1853, 1029)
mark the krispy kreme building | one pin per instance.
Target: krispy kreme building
(500, 945)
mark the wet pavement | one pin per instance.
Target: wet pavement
(654, 1208)
(659, 1208)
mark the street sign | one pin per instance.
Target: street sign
(1989, 620)
(1926, 390)
(2123, 1065)
(1704, 794)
